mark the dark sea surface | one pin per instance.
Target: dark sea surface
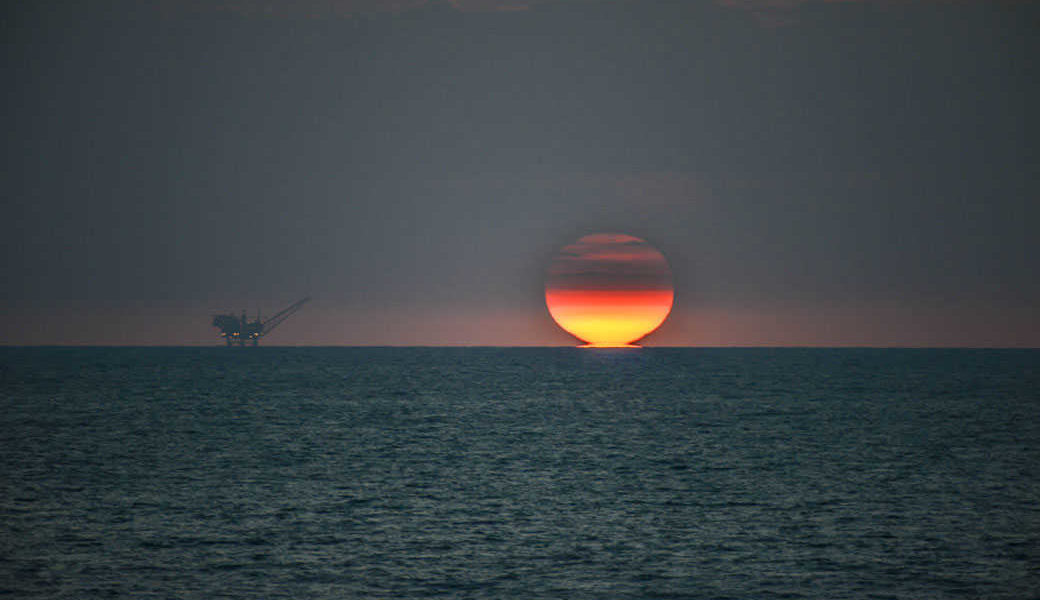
(519, 473)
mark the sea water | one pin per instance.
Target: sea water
(519, 473)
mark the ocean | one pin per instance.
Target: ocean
(313, 473)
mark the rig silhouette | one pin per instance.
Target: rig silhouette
(240, 330)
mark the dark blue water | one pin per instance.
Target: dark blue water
(519, 473)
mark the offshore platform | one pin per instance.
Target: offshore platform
(240, 330)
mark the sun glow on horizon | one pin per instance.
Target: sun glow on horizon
(609, 318)
(609, 290)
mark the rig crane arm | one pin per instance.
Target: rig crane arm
(284, 314)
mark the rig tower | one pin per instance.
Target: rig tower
(240, 330)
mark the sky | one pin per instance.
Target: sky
(854, 173)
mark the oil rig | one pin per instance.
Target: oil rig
(240, 330)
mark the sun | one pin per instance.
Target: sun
(609, 289)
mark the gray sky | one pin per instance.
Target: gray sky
(853, 173)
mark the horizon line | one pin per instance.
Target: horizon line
(534, 347)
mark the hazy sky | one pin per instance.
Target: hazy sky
(817, 173)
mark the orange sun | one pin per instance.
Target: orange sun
(609, 289)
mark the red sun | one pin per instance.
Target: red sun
(609, 289)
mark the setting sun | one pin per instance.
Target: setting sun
(609, 289)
